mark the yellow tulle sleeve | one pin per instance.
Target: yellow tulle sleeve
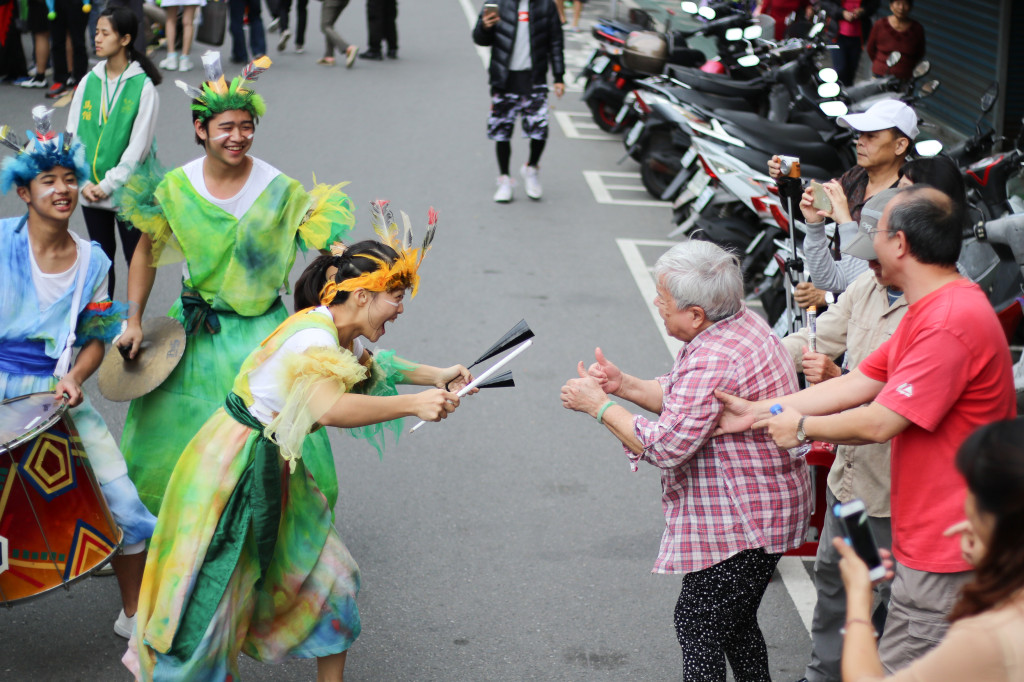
(316, 378)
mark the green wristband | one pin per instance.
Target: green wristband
(600, 413)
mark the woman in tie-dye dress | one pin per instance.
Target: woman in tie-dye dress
(245, 558)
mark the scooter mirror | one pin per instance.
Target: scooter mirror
(752, 32)
(893, 58)
(833, 108)
(922, 68)
(929, 88)
(707, 12)
(828, 90)
(828, 75)
(815, 30)
(734, 34)
(689, 7)
(928, 148)
(749, 60)
(990, 96)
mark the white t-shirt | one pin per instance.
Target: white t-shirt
(521, 59)
(261, 175)
(268, 395)
(50, 287)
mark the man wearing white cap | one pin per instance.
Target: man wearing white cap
(886, 132)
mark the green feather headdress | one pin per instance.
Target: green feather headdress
(216, 95)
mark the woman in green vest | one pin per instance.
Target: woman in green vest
(114, 114)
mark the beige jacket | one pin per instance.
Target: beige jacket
(858, 322)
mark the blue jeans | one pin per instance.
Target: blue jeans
(257, 38)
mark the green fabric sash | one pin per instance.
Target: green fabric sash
(256, 500)
(197, 313)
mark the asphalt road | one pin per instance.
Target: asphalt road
(510, 542)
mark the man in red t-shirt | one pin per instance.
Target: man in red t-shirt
(945, 372)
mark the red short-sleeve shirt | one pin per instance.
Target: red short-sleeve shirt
(947, 369)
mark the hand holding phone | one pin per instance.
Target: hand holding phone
(821, 200)
(853, 518)
(490, 13)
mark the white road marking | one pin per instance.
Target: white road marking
(602, 189)
(791, 569)
(578, 125)
(471, 15)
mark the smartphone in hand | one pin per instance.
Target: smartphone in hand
(853, 518)
(490, 9)
(821, 201)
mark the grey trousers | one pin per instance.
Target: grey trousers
(917, 614)
(830, 609)
(329, 14)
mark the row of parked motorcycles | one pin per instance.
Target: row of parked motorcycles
(704, 129)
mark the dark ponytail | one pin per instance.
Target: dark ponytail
(350, 264)
(125, 23)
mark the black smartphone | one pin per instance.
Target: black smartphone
(854, 519)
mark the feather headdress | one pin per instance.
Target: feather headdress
(404, 272)
(215, 95)
(44, 150)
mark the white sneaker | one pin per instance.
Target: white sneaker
(124, 626)
(531, 181)
(170, 62)
(185, 63)
(504, 193)
(283, 42)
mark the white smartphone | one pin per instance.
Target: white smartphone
(490, 8)
(854, 518)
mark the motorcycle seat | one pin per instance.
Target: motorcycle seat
(744, 125)
(718, 84)
(715, 102)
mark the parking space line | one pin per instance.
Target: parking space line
(578, 125)
(602, 190)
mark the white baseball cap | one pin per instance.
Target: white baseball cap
(889, 113)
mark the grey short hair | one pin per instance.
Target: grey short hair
(702, 274)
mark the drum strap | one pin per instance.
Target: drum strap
(64, 361)
(256, 500)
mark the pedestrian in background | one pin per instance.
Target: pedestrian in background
(381, 17)
(240, 11)
(732, 504)
(39, 25)
(187, 9)
(329, 14)
(114, 113)
(853, 21)
(896, 33)
(284, 10)
(69, 21)
(525, 36)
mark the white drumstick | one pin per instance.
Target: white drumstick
(486, 375)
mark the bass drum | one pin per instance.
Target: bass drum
(55, 527)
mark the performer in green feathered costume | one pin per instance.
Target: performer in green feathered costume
(237, 223)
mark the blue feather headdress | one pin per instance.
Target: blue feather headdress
(43, 151)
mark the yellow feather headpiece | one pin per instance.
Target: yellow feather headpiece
(404, 272)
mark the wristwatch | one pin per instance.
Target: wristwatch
(800, 435)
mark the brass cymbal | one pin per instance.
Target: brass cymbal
(163, 343)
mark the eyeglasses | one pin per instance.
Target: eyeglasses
(875, 230)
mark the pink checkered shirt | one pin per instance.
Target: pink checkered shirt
(722, 495)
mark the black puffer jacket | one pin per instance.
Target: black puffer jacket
(545, 41)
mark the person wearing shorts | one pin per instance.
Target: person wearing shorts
(524, 37)
(39, 25)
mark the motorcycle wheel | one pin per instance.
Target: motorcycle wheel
(604, 113)
(657, 171)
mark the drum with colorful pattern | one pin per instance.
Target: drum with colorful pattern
(55, 526)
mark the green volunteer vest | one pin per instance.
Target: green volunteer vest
(105, 142)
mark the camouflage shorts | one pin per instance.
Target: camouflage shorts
(506, 106)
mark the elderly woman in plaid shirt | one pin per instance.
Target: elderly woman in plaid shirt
(733, 504)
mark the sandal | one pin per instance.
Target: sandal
(326, 61)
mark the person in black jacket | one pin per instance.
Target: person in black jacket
(525, 36)
(851, 22)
